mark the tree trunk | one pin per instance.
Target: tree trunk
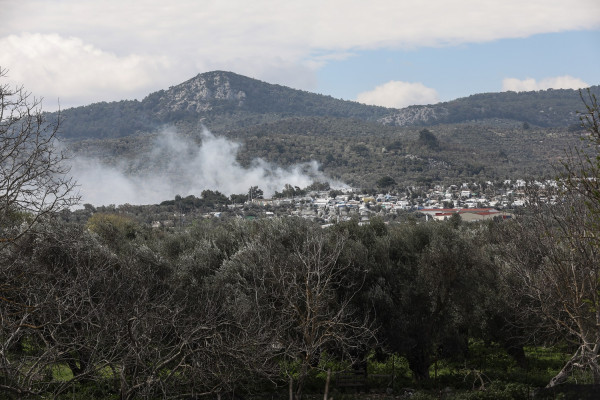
(326, 395)
(517, 353)
(419, 364)
(301, 379)
(596, 374)
(583, 358)
(562, 375)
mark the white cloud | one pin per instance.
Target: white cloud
(73, 71)
(124, 45)
(530, 84)
(299, 26)
(397, 94)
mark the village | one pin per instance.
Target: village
(472, 201)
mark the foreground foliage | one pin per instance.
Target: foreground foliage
(245, 306)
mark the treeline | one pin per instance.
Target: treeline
(114, 308)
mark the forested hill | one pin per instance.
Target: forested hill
(545, 108)
(224, 101)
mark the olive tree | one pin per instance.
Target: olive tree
(127, 319)
(291, 273)
(425, 287)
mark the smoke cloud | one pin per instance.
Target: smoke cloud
(179, 165)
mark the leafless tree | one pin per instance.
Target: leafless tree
(33, 184)
(553, 272)
(553, 261)
(34, 178)
(190, 345)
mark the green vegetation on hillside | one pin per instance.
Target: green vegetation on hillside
(491, 136)
(544, 108)
(224, 100)
(359, 153)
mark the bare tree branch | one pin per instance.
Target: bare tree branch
(34, 179)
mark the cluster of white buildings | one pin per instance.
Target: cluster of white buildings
(471, 201)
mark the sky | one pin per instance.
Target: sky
(385, 52)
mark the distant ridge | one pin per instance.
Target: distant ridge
(225, 100)
(545, 108)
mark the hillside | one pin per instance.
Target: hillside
(222, 100)
(491, 136)
(227, 101)
(546, 108)
(360, 153)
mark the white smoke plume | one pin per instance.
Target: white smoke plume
(179, 165)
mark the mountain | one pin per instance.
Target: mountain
(222, 100)
(490, 136)
(225, 92)
(227, 101)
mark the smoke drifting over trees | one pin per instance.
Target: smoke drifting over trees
(183, 165)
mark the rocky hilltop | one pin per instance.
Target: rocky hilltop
(223, 100)
(416, 115)
(200, 93)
